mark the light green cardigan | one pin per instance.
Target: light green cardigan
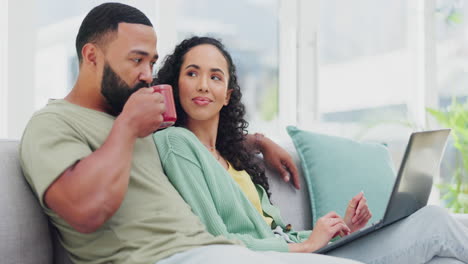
(214, 195)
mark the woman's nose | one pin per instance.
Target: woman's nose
(203, 85)
(202, 89)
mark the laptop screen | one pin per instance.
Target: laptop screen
(420, 164)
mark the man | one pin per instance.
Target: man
(91, 160)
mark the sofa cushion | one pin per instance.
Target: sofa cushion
(336, 169)
(24, 232)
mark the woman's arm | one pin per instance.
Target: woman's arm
(210, 191)
(220, 204)
(188, 179)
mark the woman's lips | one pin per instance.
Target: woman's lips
(202, 100)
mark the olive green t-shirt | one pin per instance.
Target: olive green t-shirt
(153, 221)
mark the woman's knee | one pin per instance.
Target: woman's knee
(434, 211)
(432, 214)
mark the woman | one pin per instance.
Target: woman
(208, 163)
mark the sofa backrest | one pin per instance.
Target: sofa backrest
(294, 204)
(27, 237)
(24, 229)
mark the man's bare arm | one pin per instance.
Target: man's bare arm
(90, 191)
(275, 156)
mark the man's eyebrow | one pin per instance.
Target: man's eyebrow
(144, 53)
(198, 67)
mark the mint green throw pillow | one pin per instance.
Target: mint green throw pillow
(336, 169)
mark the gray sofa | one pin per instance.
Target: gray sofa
(26, 236)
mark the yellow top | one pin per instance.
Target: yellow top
(247, 186)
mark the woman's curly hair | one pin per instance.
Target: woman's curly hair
(232, 128)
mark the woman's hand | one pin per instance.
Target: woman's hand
(278, 158)
(357, 214)
(326, 228)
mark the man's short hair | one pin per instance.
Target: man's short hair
(103, 20)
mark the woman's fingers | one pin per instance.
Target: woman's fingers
(331, 219)
(354, 207)
(339, 229)
(362, 210)
(364, 219)
(362, 204)
(331, 214)
(353, 204)
(338, 222)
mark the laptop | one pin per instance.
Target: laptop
(413, 183)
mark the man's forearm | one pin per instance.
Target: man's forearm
(254, 142)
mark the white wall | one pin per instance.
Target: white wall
(35, 59)
(3, 68)
(20, 63)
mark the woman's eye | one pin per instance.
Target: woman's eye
(137, 60)
(191, 74)
(216, 78)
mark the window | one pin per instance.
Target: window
(56, 62)
(252, 41)
(338, 66)
(452, 50)
(452, 67)
(363, 61)
(249, 30)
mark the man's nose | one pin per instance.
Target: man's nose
(146, 75)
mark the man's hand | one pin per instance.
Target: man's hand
(143, 112)
(279, 159)
(357, 213)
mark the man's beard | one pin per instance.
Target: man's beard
(115, 90)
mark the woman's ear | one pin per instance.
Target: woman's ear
(228, 96)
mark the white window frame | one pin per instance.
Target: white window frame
(307, 61)
(287, 68)
(423, 47)
(298, 62)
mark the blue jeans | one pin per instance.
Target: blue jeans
(430, 235)
(236, 254)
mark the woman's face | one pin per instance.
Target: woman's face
(203, 83)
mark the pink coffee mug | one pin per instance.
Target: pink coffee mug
(170, 115)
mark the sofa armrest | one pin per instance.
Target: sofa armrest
(24, 231)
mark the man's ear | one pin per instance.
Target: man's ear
(228, 96)
(89, 54)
